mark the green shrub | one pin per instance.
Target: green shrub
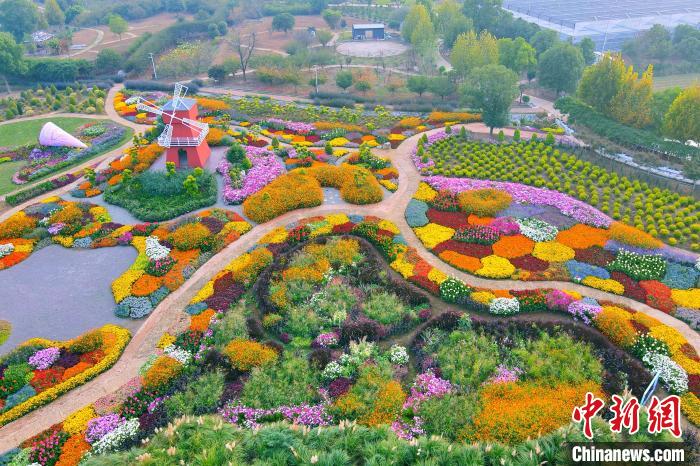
(384, 307)
(201, 396)
(468, 358)
(289, 382)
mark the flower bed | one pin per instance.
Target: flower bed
(39, 371)
(659, 212)
(265, 168)
(352, 388)
(43, 161)
(518, 242)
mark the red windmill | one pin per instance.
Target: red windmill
(184, 136)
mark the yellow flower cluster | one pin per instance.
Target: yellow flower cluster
(388, 184)
(495, 267)
(425, 193)
(121, 338)
(433, 234)
(166, 340)
(483, 297)
(338, 142)
(551, 251)
(687, 298)
(401, 266)
(121, 287)
(76, 423)
(609, 285)
(275, 236)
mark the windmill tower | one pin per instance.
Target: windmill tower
(184, 137)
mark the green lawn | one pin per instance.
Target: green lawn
(680, 80)
(25, 132)
(8, 169)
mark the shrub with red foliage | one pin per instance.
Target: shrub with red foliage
(222, 283)
(639, 327)
(93, 357)
(689, 352)
(530, 263)
(694, 383)
(222, 300)
(339, 386)
(595, 255)
(213, 224)
(425, 283)
(355, 330)
(632, 288)
(67, 359)
(467, 249)
(344, 228)
(454, 220)
(445, 201)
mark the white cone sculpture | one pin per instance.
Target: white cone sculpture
(52, 135)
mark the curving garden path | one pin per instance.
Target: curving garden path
(169, 315)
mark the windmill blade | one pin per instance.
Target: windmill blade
(148, 108)
(165, 138)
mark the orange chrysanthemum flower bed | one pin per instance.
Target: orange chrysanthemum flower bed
(515, 411)
(200, 322)
(514, 246)
(582, 236)
(460, 261)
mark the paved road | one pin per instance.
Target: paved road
(169, 315)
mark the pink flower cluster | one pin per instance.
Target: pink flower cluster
(558, 300)
(432, 139)
(43, 359)
(265, 168)
(324, 340)
(101, 426)
(569, 206)
(426, 386)
(294, 126)
(505, 375)
(306, 415)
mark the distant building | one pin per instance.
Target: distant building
(40, 37)
(374, 31)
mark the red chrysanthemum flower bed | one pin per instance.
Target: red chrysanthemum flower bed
(530, 263)
(595, 255)
(632, 288)
(468, 249)
(454, 220)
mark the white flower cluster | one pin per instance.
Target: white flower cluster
(398, 355)
(537, 230)
(178, 354)
(117, 438)
(154, 250)
(504, 306)
(672, 375)
(697, 264)
(333, 370)
(6, 249)
(347, 364)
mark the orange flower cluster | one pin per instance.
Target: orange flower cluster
(388, 405)
(514, 246)
(75, 370)
(16, 226)
(630, 235)
(460, 261)
(247, 354)
(515, 411)
(582, 236)
(73, 450)
(189, 236)
(163, 370)
(215, 136)
(288, 192)
(462, 117)
(145, 285)
(200, 322)
(212, 104)
(328, 125)
(484, 202)
(616, 324)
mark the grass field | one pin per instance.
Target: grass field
(680, 80)
(25, 132)
(8, 169)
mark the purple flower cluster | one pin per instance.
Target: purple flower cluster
(569, 206)
(432, 139)
(325, 340)
(426, 386)
(101, 426)
(294, 126)
(479, 234)
(504, 375)
(505, 226)
(585, 312)
(125, 238)
(244, 416)
(265, 168)
(43, 359)
(56, 228)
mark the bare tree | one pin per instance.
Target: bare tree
(245, 51)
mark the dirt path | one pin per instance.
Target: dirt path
(169, 315)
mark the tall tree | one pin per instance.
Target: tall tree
(441, 86)
(245, 51)
(543, 40)
(19, 17)
(450, 22)
(117, 25)
(517, 54)
(108, 61)
(484, 13)
(683, 118)
(344, 79)
(54, 13)
(283, 22)
(492, 88)
(602, 82)
(332, 18)
(587, 47)
(11, 59)
(560, 67)
(632, 104)
(324, 36)
(660, 103)
(417, 84)
(471, 52)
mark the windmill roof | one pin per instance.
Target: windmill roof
(52, 135)
(183, 104)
